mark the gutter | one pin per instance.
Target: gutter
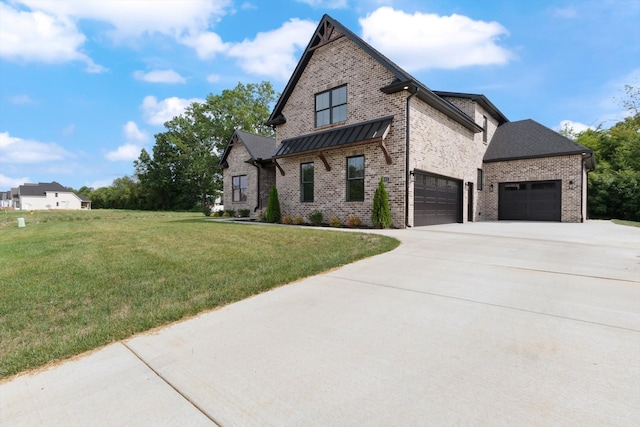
(406, 166)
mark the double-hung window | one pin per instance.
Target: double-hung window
(306, 182)
(485, 128)
(355, 179)
(239, 184)
(331, 106)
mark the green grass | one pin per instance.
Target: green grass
(74, 281)
(625, 222)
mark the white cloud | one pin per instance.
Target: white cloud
(206, 44)
(424, 41)
(158, 112)
(273, 53)
(125, 152)
(24, 151)
(134, 18)
(573, 128)
(132, 133)
(159, 76)
(40, 37)
(214, 78)
(21, 99)
(326, 4)
(7, 182)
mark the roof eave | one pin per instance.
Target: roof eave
(536, 156)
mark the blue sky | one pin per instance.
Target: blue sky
(85, 84)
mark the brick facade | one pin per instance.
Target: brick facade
(568, 169)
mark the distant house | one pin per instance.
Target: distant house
(47, 195)
(349, 117)
(5, 199)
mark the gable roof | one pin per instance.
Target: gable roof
(359, 133)
(259, 147)
(41, 188)
(526, 139)
(402, 81)
(480, 99)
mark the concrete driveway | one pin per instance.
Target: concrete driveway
(478, 324)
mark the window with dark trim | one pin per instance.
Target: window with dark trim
(239, 185)
(480, 179)
(306, 182)
(484, 128)
(355, 179)
(331, 106)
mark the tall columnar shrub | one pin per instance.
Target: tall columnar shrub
(273, 206)
(380, 215)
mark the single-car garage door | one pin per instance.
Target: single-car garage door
(530, 201)
(437, 200)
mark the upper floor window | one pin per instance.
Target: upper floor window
(306, 182)
(239, 186)
(484, 128)
(56, 194)
(331, 106)
(355, 179)
(480, 179)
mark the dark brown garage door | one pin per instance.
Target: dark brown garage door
(437, 200)
(530, 201)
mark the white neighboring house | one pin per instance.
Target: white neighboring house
(47, 195)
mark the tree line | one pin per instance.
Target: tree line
(181, 172)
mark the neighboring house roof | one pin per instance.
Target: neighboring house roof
(359, 133)
(402, 81)
(259, 147)
(482, 100)
(41, 188)
(526, 139)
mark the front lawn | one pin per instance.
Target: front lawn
(625, 222)
(74, 281)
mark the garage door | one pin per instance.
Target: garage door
(530, 201)
(437, 200)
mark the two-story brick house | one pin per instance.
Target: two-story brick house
(349, 116)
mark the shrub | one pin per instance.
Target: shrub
(354, 221)
(244, 213)
(206, 210)
(286, 219)
(380, 215)
(298, 220)
(226, 214)
(315, 217)
(262, 217)
(230, 213)
(273, 206)
(335, 222)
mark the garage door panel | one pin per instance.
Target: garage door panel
(437, 200)
(530, 201)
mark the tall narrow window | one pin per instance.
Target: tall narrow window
(239, 184)
(355, 179)
(306, 182)
(480, 179)
(331, 106)
(484, 128)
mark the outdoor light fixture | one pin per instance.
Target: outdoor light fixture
(491, 188)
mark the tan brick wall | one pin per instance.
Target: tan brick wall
(343, 62)
(237, 166)
(565, 168)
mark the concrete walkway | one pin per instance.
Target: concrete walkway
(527, 324)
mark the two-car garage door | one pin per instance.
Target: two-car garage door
(437, 199)
(530, 201)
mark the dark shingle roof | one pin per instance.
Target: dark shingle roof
(526, 139)
(338, 137)
(259, 147)
(42, 187)
(402, 78)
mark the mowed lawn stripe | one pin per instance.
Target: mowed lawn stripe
(74, 282)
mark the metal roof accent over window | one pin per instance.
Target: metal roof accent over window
(360, 133)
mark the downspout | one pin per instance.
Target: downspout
(255, 163)
(582, 184)
(406, 166)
